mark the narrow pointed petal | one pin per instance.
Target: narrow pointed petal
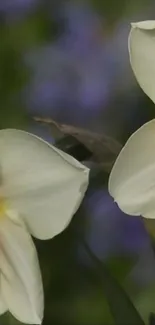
(132, 179)
(21, 282)
(44, 184)
(142, 55)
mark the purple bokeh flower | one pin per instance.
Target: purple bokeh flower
(78, 78)
(16, 9)
(110, 231)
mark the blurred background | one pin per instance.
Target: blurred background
(68, 61)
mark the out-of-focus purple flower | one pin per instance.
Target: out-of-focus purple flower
(84, 77)
(110, 231)
(82, 68)
(41, 131)
(82, 28)
(46, 94)
(15, 9)
(77, 78)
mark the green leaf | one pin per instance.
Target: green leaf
(30, 32)
(124, 8)
(144, 301)
(152, 319)
(122, 308)
(120, 266)
(8, 319)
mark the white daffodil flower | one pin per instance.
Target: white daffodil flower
(142, 55)
(41, 188)
(132, 179)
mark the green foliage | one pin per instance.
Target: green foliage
(120, 266)
(12, 77)
(113, 12)
(121, 307)
(16, 38)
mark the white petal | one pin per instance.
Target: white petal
(146, 25)
(43, 183)
(132, 179)
(21, 283)
(142, 55)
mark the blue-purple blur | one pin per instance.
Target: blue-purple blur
(68, 61)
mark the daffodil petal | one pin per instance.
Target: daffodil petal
(132, 179)
(21, 282)
(142, 55)
(45, 184)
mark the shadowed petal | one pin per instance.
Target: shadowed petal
(21, 283)
(44, 184)
(132, 179)
(142, 55)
